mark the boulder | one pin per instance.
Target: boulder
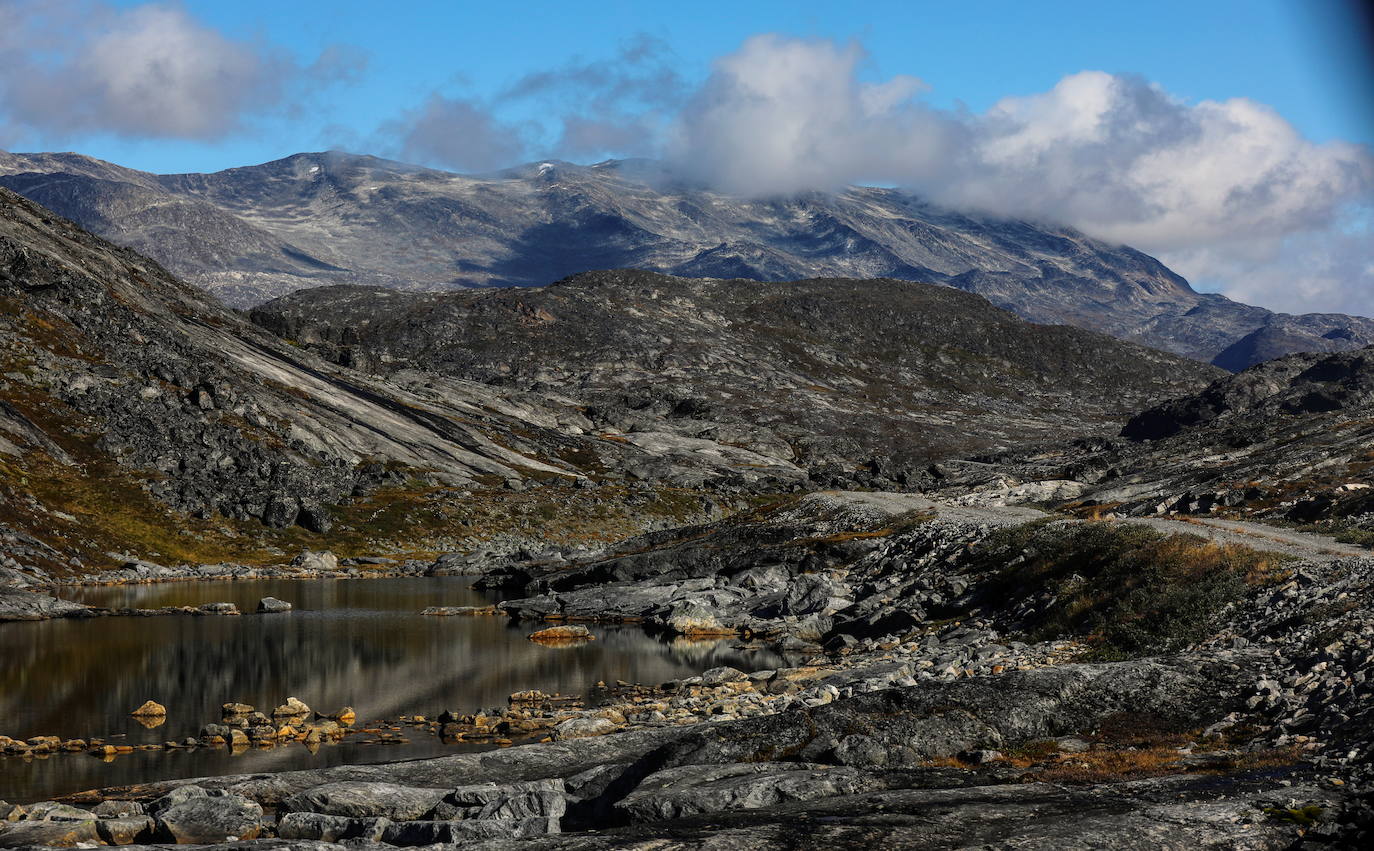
(272, 606)
(316, 562)
(53, 811)
(692, 619)
(150, 709)
(218, 609)
(210, 819)
(328, 828)
(562, 634)
(125, 830)
(61, 834)
(695, 789)
(291, 708)
(543, 799)
(117, 809)
(361, 799)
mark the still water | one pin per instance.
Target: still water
(359, 643)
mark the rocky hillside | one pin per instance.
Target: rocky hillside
(252, 233)
(840, 376)
(1290, 440)
(138, 414)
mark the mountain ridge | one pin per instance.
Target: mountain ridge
(311, 219)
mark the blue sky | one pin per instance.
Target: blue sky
(1231, 139)
(1284, 53)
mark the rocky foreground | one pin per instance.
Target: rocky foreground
(964, 678)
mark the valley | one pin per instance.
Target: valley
(831, 560)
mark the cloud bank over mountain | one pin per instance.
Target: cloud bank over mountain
(1227, 191)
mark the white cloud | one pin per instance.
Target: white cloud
(72, 67)
(1228, 191)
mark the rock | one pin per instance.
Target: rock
(561, 634)
(126, 829)
(314, 517)
(331, 828)
(210, 819)
(345, 716)
(231, 709)
(150, 709)
(281, 511)
(316, 562)
(580, 728)
(544, 799)
(360, 799)
(218, 609)
(62, 834)
(720, 676)
(271, 605)
(53, 811)
(117, 809)
(291, 708)
(16, 605)
(457, 832)
(691, 790)
(691, 619)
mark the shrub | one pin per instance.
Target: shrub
(1128, 587)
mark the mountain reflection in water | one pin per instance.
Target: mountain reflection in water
(359, 643)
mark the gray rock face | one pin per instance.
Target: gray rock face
(209, 819)
(64, 834)
(271, 606)
(692, 790)
(314, 219)
(818, 372)
(330, 828)
(366, 800)
(32, 606)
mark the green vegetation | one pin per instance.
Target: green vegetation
(1129, 589)
(1304, 816)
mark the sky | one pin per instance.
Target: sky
(1230, 139)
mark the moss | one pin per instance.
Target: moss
(1304, 816)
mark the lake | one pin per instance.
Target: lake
(359, 643)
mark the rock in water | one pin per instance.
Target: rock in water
(562, 634)
(291, 708)
(150, 709)
(271, 605)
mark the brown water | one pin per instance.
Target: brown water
(359, 643)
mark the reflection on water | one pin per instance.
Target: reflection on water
(360, 643)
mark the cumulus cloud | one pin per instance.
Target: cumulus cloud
(1227, 191)
(1114, 154)
(84, 66)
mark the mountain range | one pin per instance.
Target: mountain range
(253, 233)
